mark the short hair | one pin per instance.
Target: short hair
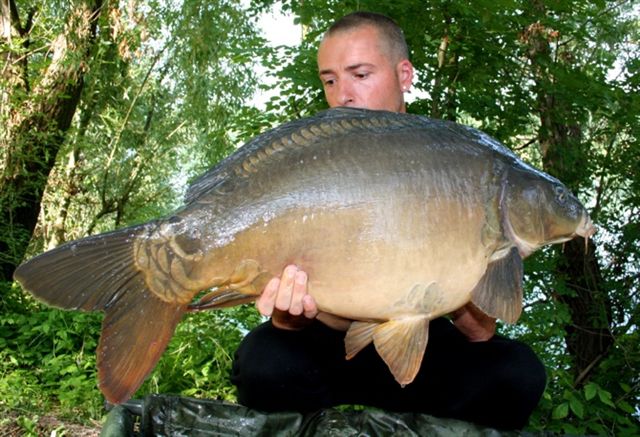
(390, 32)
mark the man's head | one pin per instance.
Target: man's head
(363, 62)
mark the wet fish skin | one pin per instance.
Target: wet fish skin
(396, 218)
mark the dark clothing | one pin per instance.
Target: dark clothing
(495, 383)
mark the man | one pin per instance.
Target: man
(296, 360)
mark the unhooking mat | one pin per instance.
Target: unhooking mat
(163, 415)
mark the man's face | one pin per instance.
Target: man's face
(357, 70)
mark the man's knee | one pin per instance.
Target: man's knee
(271, 371)
(523, 372)
(520, 382)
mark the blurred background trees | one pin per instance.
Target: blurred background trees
(108, 109)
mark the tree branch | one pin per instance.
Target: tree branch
(587, 370)
(527, 144)
(115, 140)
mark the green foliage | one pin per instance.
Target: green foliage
(165, 84)
(591, 410)
(48, 361)
(198, 359)
(602, 406)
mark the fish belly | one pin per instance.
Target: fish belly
(367, 264)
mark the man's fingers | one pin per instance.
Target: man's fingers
(289, 294)
(267, 299)
(309, 307)
(299, 291)
(285, 290)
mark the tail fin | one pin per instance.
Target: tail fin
(135, 333)
(90, 274)
(98, 273)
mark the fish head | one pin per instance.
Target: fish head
(539, 210)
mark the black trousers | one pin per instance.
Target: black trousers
(496, 383)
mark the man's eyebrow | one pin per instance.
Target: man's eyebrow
(360, 65)
(349, 68)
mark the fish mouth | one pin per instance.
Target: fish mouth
(586, 227)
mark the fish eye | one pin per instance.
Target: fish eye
(561, 194)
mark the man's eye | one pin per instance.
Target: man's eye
(362, 75)
(329, 82)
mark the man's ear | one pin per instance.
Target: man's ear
(404, 69)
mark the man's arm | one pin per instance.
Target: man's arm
(473, 323)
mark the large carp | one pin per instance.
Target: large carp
(396, 218)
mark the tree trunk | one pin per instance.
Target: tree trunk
(443, 100)
(53, 229)
(588, 337)
(37, 125)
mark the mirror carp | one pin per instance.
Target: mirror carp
(396, 218)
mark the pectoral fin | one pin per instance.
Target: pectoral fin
(401, 344)
(499, 291)
(244, 285)
(249, 278)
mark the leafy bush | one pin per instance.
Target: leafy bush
(198, 359)
(48, 360)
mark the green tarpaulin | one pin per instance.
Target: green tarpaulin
(162, 415)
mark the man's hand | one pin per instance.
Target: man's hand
(288, 302)
(473, 323)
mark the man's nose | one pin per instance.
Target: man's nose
(345, 93)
